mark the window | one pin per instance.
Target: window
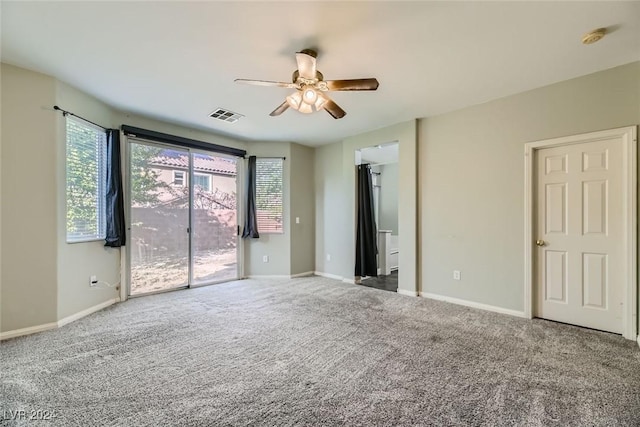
(203, 181)
(178, 178)
(86, 180)
(269, 195)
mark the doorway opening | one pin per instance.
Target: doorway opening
(183, 217)
(383, 161)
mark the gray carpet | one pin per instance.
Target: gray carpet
(314, 351)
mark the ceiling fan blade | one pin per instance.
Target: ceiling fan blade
(281, 109)
(306, 64)
(354, 84)
(333, 108)
(264, 83)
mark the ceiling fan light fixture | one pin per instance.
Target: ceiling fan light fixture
(311, 87)
(320, 102)
(309, 95)
(305, 108)
(294, 100)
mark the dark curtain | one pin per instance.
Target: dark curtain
(366, 240)
(115, 233)
(250, 219)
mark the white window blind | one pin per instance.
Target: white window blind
(269, 195)
(203, 181)
(178, 178)
(85, 180)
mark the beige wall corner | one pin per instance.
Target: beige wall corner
(29, 216)
(302, 209)
(329, 209)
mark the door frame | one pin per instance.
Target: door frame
(125, 253)
(629, 196)
(126, 289)
(240, 167)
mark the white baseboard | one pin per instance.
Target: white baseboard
(473, 304)
(328, 275)
(86, 312)
(291, 276)
(60, 323)
(305, 274)
(27, 331)
(638, 340)
(407, 293)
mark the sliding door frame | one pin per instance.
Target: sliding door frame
(127, 191)
(125, 255)
(239, 214)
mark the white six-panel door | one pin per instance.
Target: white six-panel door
(579, 256)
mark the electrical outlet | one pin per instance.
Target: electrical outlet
(297, 220)
(328, 257)
(93, 280)
(456, 274)
(265, 258)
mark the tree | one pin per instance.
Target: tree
(145, 185)
(86, 152)
(86, 178)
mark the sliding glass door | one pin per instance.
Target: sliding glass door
(214, 219)
(183, 218)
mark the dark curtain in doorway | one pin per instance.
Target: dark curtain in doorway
(115, 230)
(366, 240)
(251, 219)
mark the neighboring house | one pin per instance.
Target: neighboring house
(214, 179)
(158, 226)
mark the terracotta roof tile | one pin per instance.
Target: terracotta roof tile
(201, 162)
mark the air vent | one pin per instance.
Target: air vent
(225, 115)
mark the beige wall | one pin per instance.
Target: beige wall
(78, 261)
(303, 207)
(406, 136)
(388, 209)
(336, 202)
(471, 166)
(330, 210)
(291, 252)
(276, 246)
(29, 237)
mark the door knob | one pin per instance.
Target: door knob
(540, 242)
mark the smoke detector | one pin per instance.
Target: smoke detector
(594, 36)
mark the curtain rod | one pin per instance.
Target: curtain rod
(65, 112)
(271, 157)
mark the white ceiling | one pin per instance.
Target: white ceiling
(176, 61)
(380, 154)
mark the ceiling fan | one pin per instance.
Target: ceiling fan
(311, 88)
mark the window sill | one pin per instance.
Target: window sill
(88, 240)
